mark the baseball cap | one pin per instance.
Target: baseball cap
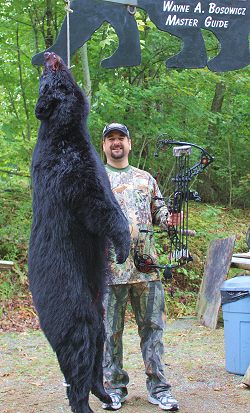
(115, 126)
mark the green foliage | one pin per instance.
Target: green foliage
(150, 98)
(242, 192)
(15, 221)
(209, 222)
(182, 303)
(8, 288)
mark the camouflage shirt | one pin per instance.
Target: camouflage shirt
(136, 192)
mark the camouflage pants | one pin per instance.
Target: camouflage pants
(147, 300)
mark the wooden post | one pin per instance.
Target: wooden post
(218, 262)
(246, 378)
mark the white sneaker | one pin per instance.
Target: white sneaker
(165, 401)
(117, 400)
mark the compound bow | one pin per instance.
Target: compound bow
(178, 202)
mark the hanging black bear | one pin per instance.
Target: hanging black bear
(75, 214)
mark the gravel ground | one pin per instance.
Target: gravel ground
(31, 382)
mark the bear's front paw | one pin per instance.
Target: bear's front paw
(121, 241)
(122, 253)
(121, 257)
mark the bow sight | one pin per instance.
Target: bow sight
(178, 202)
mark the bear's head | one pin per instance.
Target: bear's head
(60, 98)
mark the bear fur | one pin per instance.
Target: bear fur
(75, 218)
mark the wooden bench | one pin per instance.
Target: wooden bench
(241, 260)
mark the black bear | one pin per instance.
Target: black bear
(75, 218)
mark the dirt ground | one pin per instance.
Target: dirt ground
(30, 380)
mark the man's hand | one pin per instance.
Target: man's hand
(175, 219)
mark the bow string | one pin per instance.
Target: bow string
(178, 202)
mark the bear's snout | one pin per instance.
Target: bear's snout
(52, 61)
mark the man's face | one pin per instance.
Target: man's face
(116, 146)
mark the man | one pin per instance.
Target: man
(138, 195)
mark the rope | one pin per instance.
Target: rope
(68, 10)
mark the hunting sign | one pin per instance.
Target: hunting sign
(228, 20)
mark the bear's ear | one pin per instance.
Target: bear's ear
(44, 108)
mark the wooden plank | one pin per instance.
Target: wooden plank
(6, 265)
(218, 262)
(242, 255)
(238, 262)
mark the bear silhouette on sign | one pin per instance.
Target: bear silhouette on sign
(87, 17)
(229, 20)
(75, 218)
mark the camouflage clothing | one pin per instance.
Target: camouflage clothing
(135, 191)
(147, 300)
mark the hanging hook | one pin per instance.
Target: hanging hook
(132, 10)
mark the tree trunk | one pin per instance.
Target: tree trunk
(86, 73)
(216, 107)
(144, 143)
(49, 39)
(34, 19)
(95, 83)
(22, 85)
(230, 180)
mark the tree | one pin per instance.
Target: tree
(210, 109)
